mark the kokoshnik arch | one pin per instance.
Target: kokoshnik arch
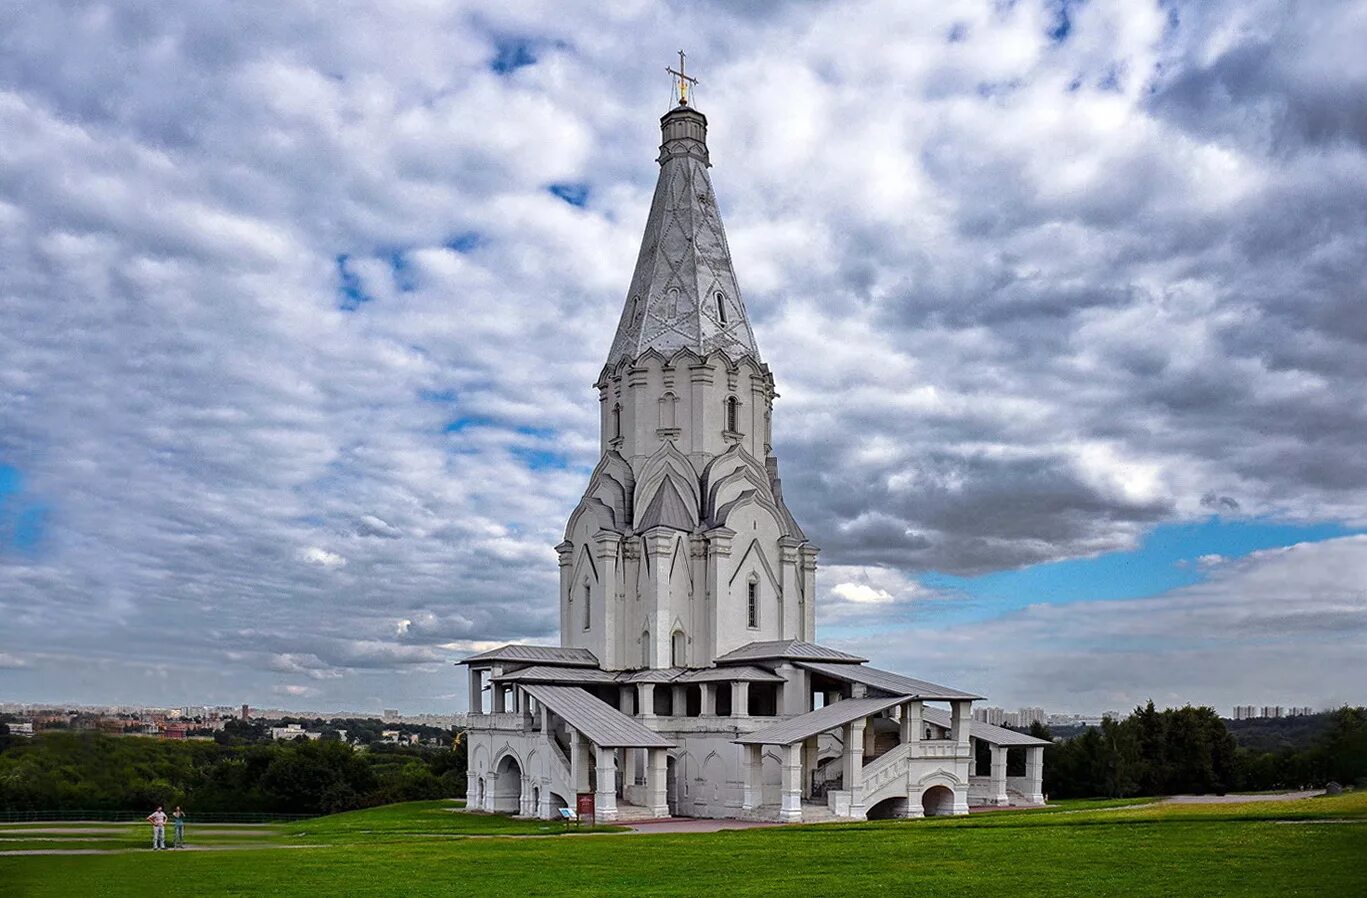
(688, 680)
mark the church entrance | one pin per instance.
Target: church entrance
(938, 801)
(507, 786)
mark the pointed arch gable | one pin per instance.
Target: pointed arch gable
(755, 549)
(667, 461)
(582, 563)
(596, 511)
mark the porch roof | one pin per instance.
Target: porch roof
(887, 681)
(600, 723)
(744, 672)
(987, 732)
(545, 673)
(536, 654)
(812, 723)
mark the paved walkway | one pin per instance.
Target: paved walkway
(1241, 799)
(695, 825)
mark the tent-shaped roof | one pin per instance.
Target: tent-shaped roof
(546, 673)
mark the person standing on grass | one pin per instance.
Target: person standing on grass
(178, 817)
(158, 820)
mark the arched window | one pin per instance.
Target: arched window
(635, 307)
(752, 603)
(721, 306)
(645, 648)
(674, 306)
(677, 649)
(668, 413)
(617, 421)
(732, 414)
(588, 605)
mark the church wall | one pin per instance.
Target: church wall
(697, 420)
(754, 555)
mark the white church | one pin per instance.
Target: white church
(689, 681)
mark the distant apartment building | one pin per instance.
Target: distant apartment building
(994, 716)
(1270, 712)
(21, 729)
(292, 731)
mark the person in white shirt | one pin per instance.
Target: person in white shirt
(158, 820)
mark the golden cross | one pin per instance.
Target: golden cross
(683, 80)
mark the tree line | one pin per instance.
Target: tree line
(89, 771)
(1190, 750)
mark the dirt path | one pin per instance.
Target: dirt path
(86, 829)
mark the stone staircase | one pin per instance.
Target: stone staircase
(817, 813)
(632, 813)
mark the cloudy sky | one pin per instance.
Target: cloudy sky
(300, 306)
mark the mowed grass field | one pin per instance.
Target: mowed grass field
(1313, 847)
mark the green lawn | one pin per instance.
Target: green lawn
(1253, 849)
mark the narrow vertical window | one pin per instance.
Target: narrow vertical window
(645, 648)
(677, 653)
(617, 421)
(732, 414)
(588, 606)
(752, 604)
(668, 417)
(721, 306)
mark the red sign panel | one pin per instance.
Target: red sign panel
(584, 806)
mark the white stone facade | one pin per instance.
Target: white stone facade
(688, 681)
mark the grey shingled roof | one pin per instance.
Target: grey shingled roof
(600, 723)
(545, 673)
(684, 261)
(987, 732)
(650, 675)
(667, 509)
(746, 672)
(788, 650)
(887, 681)
(803, 726)
(537, 654)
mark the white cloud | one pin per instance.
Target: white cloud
(862, 594)
(322, 557)
(1024, 300)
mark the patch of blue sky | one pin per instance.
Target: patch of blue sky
(1062, 24)
(465, 422)
(405, 278)
(1170, 557)
(351, 294)
(512, 53)
(540, 459)
(464, 242)
(576, 194)
(22, 520)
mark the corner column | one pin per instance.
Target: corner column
(751, 795)
(657, 772)
(854, 766)
(605, 797)
(740, 699)
(709, 699)
(998, 796)
(1034, 774)
(791, 809)
(645, 699)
